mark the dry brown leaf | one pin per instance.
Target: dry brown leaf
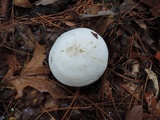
(35, 75)
(50, 103)
(36, 66)
(153, 105)
(40, 83)
(93, 9)
(68, 23)
(132, 88)
(14, 64)
(141, 24)
(27, 36)
(22, 3)
(102, 24)
(155, 6)
(136, 113)
(157, 55)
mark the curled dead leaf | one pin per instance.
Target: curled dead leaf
(22, 3)
(153, 104)
(153, 77)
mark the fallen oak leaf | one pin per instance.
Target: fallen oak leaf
(36, 66)
(14, 66)
(35, 75)
(40, 83)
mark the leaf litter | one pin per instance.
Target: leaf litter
(128, 89)
(33, 74)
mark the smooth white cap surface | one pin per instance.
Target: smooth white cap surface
(78, 57)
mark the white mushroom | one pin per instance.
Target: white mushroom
(78, 57)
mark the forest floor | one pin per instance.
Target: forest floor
(129, 87)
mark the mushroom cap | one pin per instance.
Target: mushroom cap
(78, 57)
